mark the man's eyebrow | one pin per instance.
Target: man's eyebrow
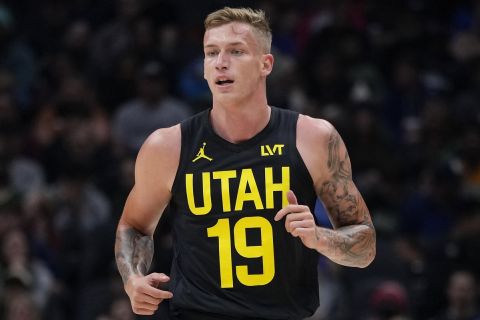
(231, 44)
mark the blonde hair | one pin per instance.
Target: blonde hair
(254, 18)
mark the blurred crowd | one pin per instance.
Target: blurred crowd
(83, 82)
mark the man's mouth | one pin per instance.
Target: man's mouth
(222, 82)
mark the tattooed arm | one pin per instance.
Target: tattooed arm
(133, 252)
(155, 170)
(353, 241)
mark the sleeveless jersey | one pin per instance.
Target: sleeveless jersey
(230, 257)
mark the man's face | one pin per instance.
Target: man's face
(234, 64)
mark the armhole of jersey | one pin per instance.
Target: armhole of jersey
(181, 161)
(298, 156)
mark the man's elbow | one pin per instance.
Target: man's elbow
(370, 253)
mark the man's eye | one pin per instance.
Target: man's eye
(211, 53)
(237, 52)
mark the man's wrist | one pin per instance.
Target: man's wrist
(321, 237)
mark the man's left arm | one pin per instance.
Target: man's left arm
(353, 241)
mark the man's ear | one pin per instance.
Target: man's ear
(267, 63)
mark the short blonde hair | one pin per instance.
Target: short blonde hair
(255, 18)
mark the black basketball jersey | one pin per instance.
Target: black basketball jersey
(230, 257)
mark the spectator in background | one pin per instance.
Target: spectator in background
(16, 57)
(21, 267)
(405, 95)
(18, 303)
(430, 213)
(78, 214)
(74, 128)
(115, 37)
(153, 108)
(76, 41)
(389, 301)
(23, 173)
(470, 158)
(427, 224)
(462, 298)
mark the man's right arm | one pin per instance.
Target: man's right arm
(133, 252)
(155, 170)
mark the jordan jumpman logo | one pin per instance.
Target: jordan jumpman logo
(201, 154)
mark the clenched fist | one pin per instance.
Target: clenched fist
(299, 221)
(144, 293)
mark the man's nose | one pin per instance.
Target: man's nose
(222, 61)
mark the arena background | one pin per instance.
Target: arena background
(399, 79)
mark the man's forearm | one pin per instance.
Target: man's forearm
(352, 246)
(133, 252)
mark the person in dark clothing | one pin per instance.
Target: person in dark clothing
(241, 180)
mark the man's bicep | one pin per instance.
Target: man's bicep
(341, 197)
(143, 210)
(155, 170)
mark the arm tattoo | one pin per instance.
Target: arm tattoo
(352, 242)
(133, 252)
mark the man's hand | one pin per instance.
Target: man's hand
(299, 221)
(144, 293)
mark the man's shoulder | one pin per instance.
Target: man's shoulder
(314, 128)
(170, 137)
(160, 154)
(163, 141)
(313, 142)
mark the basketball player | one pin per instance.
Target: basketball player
(241, 179)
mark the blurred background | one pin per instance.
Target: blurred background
(83, 82)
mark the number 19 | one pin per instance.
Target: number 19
(264, 250)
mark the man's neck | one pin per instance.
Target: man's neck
(236, 124)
